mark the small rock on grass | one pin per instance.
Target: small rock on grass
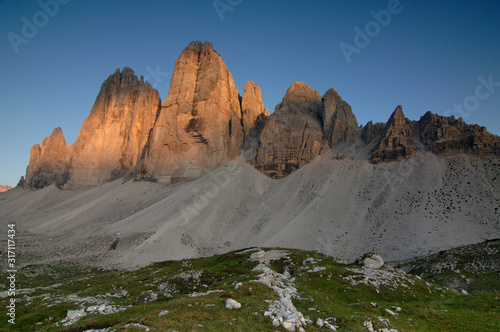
(232, 304)
(163, 313)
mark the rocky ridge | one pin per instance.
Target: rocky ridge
(441, 135)
(204, 123)
(4, 188)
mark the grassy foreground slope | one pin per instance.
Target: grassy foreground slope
(191, 295)
(475, 267)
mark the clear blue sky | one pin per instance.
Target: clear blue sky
(427, 57)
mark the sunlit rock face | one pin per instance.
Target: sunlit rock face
(205, 123)
(113, 135)
(199, 127)
(49, 163)
(251, 105)
(110, 141)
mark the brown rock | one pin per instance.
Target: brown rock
(49, 163)
(199, 126)
(372, 131)
(446, 135)
(4, 188)
(397, 140)
(251, 141)
(293, 135)
(339, 123)
(113, 135)
(251, 105)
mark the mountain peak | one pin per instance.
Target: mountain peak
(302, 91)
(199, 47)
(122, 80)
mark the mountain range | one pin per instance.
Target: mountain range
(204, 123)
(307, 176)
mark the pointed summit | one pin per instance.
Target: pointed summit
(199, 126)
(303, 92)
(397, 118)
(121, 80)
(251, 105)
(292, 137)
(397, 140)
(113, 135)
(49, 163)
(339, 123)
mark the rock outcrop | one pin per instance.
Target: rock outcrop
(371, 131)
(204, 123)
(251, 106)
(397, 140)
(439, 134)
(339, 123)
(110, 141)
(4, 188)
(199, 126)
(49, 163)
(446, 135)
(293, 134)
(113, 135)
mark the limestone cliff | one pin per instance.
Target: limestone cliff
(293, 134)
(397, 140)
(204, 123)
(371, 131)
(113, 135)
(199, 127)
(251, 105)
(109, 143)
(339, 123)
(49, 163)
(445, 135)
(4, 188)
(439, 134)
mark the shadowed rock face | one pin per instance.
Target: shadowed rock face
(339, 123)
(397, 139)
(293, 135)
(442, 135)
(450, 135)
(199, 127)
(372, 131)
(49, 163)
